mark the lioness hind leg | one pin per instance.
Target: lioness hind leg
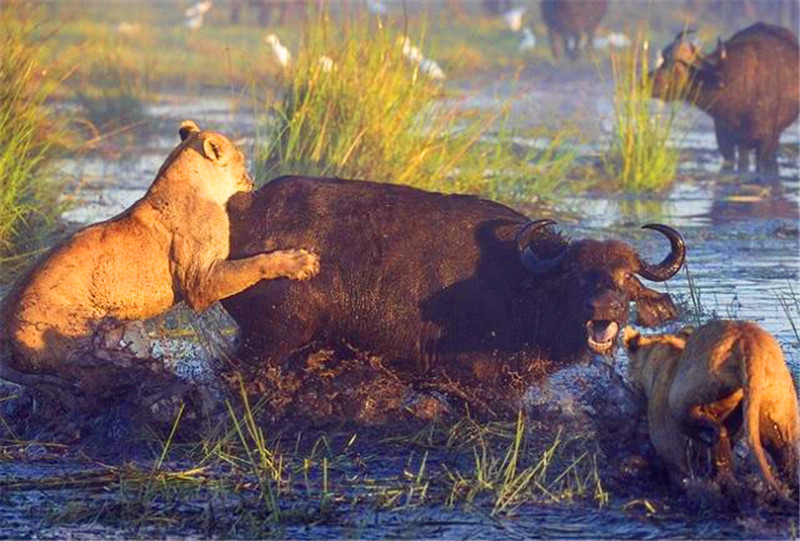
(781, 449)
(722, 454)
(707, 423)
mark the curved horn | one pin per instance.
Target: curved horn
(528, 230)
(674, 260)
(536, 266)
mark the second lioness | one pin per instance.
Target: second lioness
(704, 383)
(170, 245)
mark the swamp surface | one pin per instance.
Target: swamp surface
(743, 262)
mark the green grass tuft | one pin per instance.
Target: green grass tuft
(113, 92)
(30, 135)
(643, 155)
(375, 115)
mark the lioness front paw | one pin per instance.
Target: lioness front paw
(300, 264)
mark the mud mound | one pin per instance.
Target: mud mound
(325, 385)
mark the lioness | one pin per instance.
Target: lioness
(705, 383)
(170, 245)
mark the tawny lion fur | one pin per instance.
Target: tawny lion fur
(696, 379)
(170, 245)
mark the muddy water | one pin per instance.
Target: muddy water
(743, 260)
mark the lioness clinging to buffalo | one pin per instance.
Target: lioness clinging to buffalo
(171, 245)
(708, 383)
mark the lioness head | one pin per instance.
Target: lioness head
(648, 354)
(212, 165)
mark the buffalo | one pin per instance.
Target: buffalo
(749, 85)
(432, 281)
(573, 22)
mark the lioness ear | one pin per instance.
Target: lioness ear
(187, 128)
(630, 339)
(215, 149)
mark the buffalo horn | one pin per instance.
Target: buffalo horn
(533, 264)
(672, 263)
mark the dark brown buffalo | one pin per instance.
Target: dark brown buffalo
(428, 280)
(750, 86)
(571, 24)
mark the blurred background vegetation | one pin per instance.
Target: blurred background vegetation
(75, 74)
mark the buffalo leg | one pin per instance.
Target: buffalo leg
(275, 346)
(236, 11)
(571, 48)
(727, 148)
(766, 156)
(743, 164)
(264, 11)
(590, 43)
(554, 43)
(270, 336)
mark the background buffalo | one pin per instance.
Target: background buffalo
(571, 24)
(750, 85)
(433, 281)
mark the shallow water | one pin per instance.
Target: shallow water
(743, 256)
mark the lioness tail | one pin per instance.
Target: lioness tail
(755, 382)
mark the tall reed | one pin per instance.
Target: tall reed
(29, 136)
(644, 151)
(369, 112)
(115, 85)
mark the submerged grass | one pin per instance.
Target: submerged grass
(644, 154)
(515, 473)
(30, 135)
(240, 482)
(355, 106)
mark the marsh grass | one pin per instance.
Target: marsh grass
(30, 138)
(114, 87)
(644, 152)
(242, 480)
(790, 302)
(515, 472)
(374, 115)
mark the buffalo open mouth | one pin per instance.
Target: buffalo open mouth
(601, 334)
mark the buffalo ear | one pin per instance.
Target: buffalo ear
(707, 72)
(654, 308)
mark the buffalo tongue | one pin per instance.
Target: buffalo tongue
(604, 331)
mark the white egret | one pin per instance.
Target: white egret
(282, 54)
(528, 40)
(513, 18)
